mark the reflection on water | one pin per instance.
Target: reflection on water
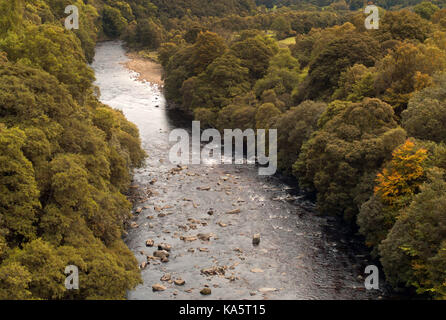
(301, 255)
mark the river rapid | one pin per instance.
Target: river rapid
(301, 254)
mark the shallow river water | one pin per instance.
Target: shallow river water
(301, 255)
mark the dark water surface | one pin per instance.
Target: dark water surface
(301, 254)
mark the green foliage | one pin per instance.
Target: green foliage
(395, 188)
(345, 50)
(426, 9)
(255, 53)
(65, 161)
(355, 84)
(340, 160)
(294, 129)
(223, 80)
(403, 24)
(54, 50)
(406, 69)
(19, 201)
(283, 75)
(113, 23)
(190, 61)
(414, 252)
(425, 117)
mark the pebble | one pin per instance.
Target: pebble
(158, 287)
(166, 277)
(206, 291)
(256, 239)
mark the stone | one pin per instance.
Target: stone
(143, 265)
(206, 291)
(150, 243)
(134, 225)
(179, 282)
(256, 270)
(138, 210)
(266, 290)
(204, 236)
(166, 277)
(158, 287)
(161, 253)
(188, 238)
(164, 246)
(235, 211)
(213, 271)
(256, 239)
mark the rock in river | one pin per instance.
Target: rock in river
(206, 291)
(158, 287)
(235, 211)
(166, 277)
(256, 239)
(164, 246)
(161, 253)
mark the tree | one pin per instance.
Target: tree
(54, 50)
(63, 169)
(425, 117)
(356, 83)
(19, 195)
(341, 159)
(223, 80)
(149, 34)
(14, 282)
(282, 27)
(283, 75)
(113, 22)
(404, 175)
(403, 24)
(396, 185)
(266, 116)
(425, 9)
(342, 52)
(294, 129)
(413, 254)
(255, 54)
(406, 69)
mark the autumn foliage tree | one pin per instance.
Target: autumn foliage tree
(395, 187)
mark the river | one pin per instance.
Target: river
(301, 255)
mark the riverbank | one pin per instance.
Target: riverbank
(147, 69)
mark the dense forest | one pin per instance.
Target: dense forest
(360, 117)
(65, 161)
